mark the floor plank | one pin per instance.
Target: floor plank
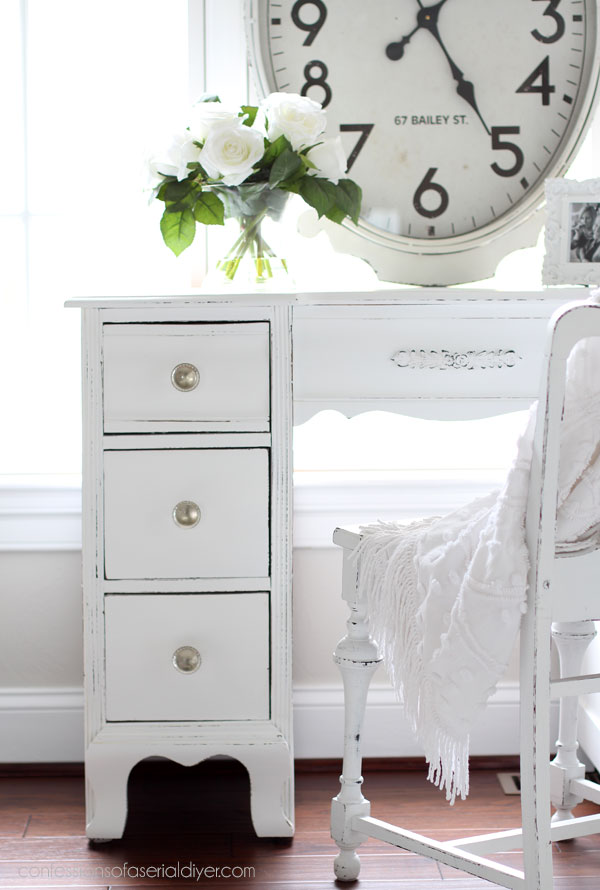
(199, 818)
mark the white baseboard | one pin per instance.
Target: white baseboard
(40, 513)
(319, 724)
(41, 725)
(46, 725)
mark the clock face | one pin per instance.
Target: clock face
(451, 114)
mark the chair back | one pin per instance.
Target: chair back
(552, 577)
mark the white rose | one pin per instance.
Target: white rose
(230, 151)
(204, 114)
(174, 160)
(298, 118)
(329, 159)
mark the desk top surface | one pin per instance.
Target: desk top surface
(382, 295)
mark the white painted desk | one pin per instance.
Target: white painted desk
(188, 407)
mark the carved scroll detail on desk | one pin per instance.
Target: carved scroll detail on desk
(445, 359)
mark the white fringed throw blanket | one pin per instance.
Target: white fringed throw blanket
(446, 594)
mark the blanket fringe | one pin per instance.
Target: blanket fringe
(386, 561)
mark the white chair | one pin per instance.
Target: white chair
(563, 598)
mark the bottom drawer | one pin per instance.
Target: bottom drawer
(154, 673)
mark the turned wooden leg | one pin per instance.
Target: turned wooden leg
(357, 657)
(571, 639)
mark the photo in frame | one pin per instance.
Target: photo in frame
(572, 232)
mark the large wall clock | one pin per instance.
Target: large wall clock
(452, 114)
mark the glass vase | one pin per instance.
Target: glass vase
(251, 262)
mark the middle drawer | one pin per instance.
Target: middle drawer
(187, 513)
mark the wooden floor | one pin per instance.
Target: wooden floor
(200, 816)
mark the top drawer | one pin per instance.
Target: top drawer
(193, 377)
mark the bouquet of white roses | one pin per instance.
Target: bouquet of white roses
(244, 164)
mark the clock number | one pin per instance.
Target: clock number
(317, 81)
(428, 185)
(544, 87)
(365, 132)
(560, 23)
(313, 28)
(499, 144)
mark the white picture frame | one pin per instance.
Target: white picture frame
(572, 239)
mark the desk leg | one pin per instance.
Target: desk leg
(271, 772)
(106, 775)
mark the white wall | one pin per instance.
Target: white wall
(40, 633)
(41, 700)
(41, 703)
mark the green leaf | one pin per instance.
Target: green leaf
(336, 202)
(336, 214)
(178, 228)
(161, 191)
(209, 210)
(349, 198)
(318, 193)
(179, 192)
(285, 166)
(208, 97)
(251, 111)
(273, 150)
(292, 183)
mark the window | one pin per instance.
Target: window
(92, 86)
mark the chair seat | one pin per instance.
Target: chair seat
(347, 536)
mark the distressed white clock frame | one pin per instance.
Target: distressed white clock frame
(436, 353)
(263, 746)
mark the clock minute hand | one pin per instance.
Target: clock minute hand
(427, 18)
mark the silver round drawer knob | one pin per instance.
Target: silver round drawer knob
(186, 514)
(187, 659)
(185, 377)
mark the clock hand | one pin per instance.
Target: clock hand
(395, 50)
(427, 18)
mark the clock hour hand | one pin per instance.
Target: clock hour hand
(395, 50)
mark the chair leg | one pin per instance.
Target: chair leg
(358, 658)
(535, 751)
(571, 640)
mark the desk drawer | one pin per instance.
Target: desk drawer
(186, 376)
(397, 354)
(179, 513)
(194, 657)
